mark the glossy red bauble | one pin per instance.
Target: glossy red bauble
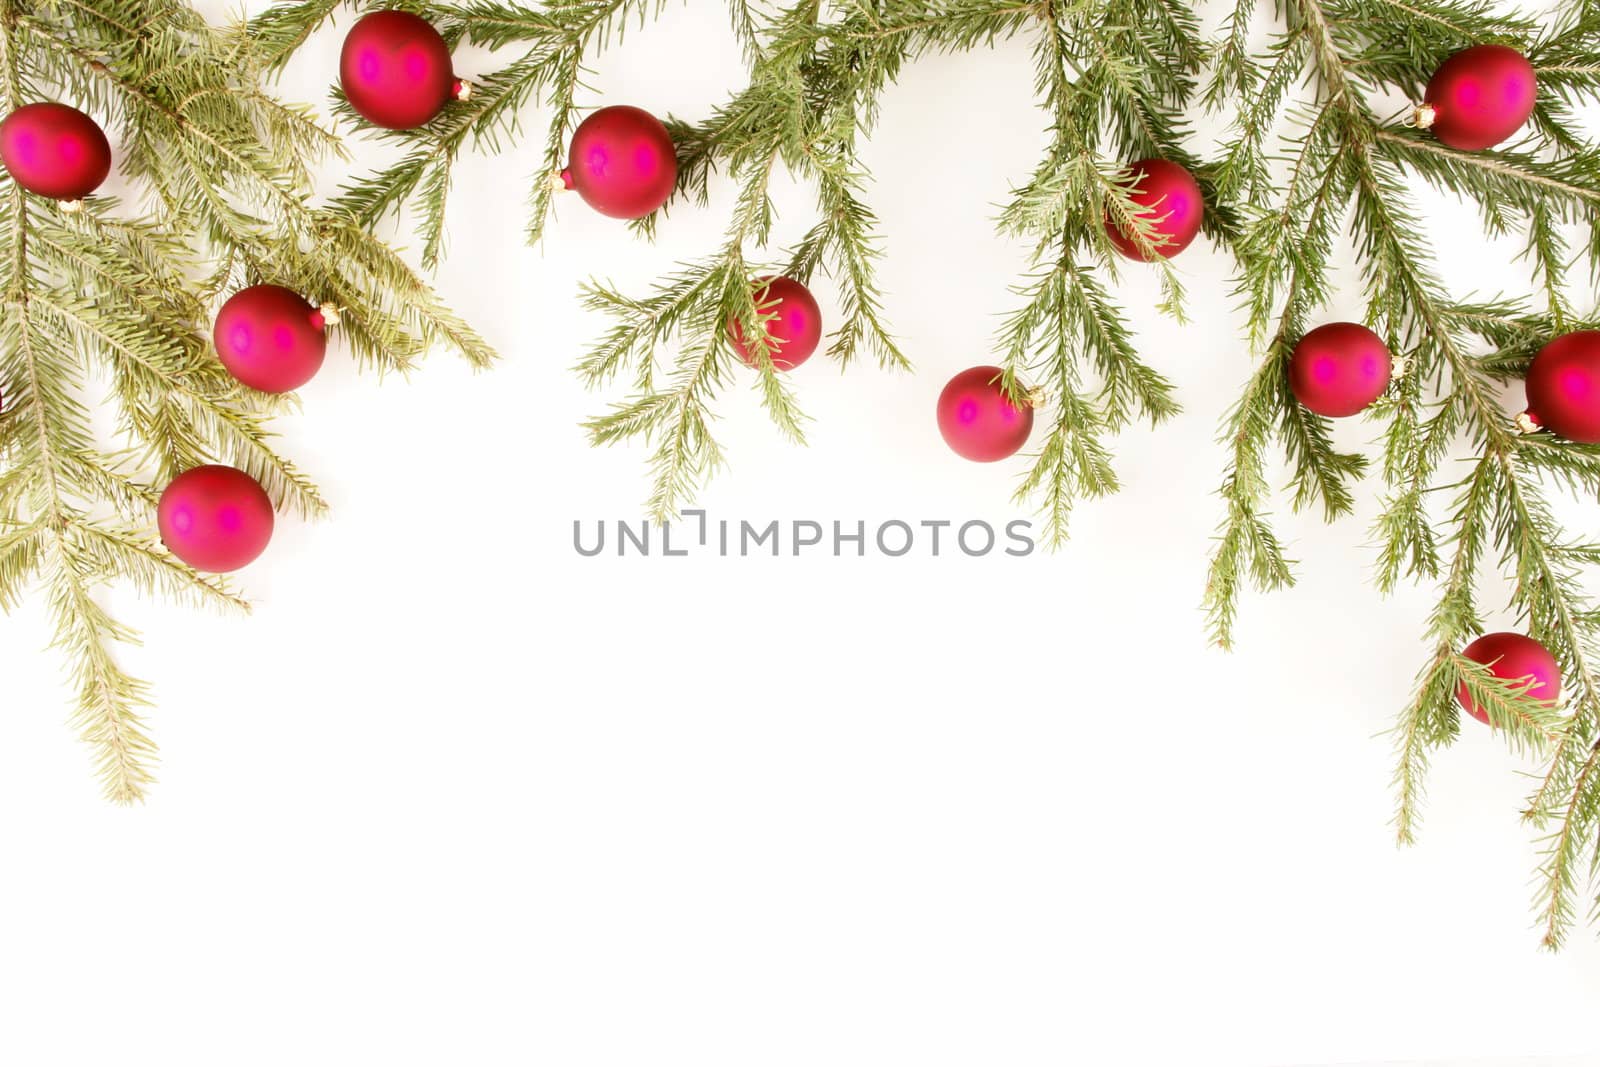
(622, 162)
(270, 339)
(1339, 368)
(54, 150)
(977, 420)
(1171, 198)
(1512, 657)
(215, 518)
(794, 330)
(395, 70)
(1479, 97)
(1564, 387)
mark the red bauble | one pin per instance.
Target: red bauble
(622, 162)
(1172, 199)
(1340, 368)
(795, 328)
(1512, 657)
(215, 518)
(55, 151)
(270, 339)
(977, 420)
(395, 70)
(1564, 387)
(1479, 97)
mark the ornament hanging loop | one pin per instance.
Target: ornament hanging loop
(1527, 423)
(461, 90)
(327, 314)
(557, 181)
(1421, 117)
(70, 207)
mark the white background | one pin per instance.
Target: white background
(457, 795)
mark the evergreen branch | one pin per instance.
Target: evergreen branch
(228, 167)
(109, 702)
(1566, 847)
(1357, 163)
(278, 32)
(1301, 232)
(846, 236)
(1432, 718)
(1069, 327)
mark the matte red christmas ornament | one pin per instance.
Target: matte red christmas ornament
(270, 339)
(622, 162)
(795, 328)
(215, 518)
(1513, 657)
(977, 420)
(395, 70)
(1338, 369)
(54, 150)
(1479, 97)
(1171, 198)
(1563, 387)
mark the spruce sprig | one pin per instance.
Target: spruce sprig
(1352, 170)
(1114, 78)
(110, 308)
